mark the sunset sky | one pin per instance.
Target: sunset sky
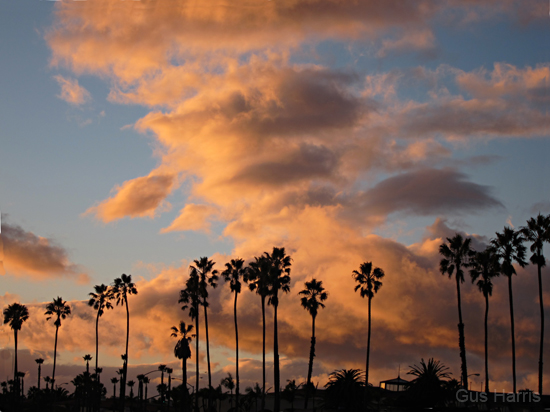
(137, 136)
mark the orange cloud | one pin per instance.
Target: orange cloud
(71, 91)
(192, 217)
(26, 254)
(139, 197)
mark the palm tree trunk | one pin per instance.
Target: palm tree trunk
(513, 333)
(263, 353)
(125, 365)
(276, 357)
(39, 371)
(208, 358)
(236, 351)
(368, 355)
(15, 377)
(114, 390)
(96, 340)
(184, 402)
(54, 356)
(541, 350)
(461, 339)
(197, 360)
(486, 345)
(311, 356)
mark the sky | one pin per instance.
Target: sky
(137, 136)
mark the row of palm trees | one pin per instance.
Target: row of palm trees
(505, 249)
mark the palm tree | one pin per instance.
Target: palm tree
(229, 383)
(456, 256)
(146, 383)
(15, 314)
(47, 379)
(191, 297)
(131, 385)
(100, 301)
(312, 299)
(258, 280)
(427, 388)
(369, 283)
(162, 368)
(39, 361)
(182, 351)
(169, 372)
(87, 358)
(508, 245)
(234, 272)
(344, 389)
(537, 232)
(207, 276)
(60, 310)
(279, 279)
(484, 267)
(123, 287)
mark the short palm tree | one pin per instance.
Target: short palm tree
(114, 381)
(235, 272)
(100, 300)
(368, 283)
(87, 358)
(39, 362)
(279, 280)
(59, 309)
(182, 351)
(537, 232)
(122, 288)
(14, 315)
(131, 385)
(456, 257)
(484, 266)
(208, 277)
(162, 368)
(258, 280)
(191, 298)
(146, 383)
(427, 389)
(312, 299)
(344, 389)
(229, 384)
(509, 247)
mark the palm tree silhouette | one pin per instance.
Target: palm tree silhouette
(234, 272)
(47, 379)
(229, 383)
(87, 358)
(537, 232)
(508, 245)
(427, 388)
(369, 283)
(39, 361)
(484, 266)
(344, 389)
(312, 299)
(258, 280)
(100, 301)
(456, 256)
(123, 287)
(60, 310)
(146, 383)
(162, 368)
(207, 277)
(169, 372)
(114, 381)
(131, 385)
(182, 351)
(279, 279)
(15, 314)
(191, 297)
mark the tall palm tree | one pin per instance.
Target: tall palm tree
(234, 272)
(59, 309)
(100, 300)
(312, 299)
(484, 266)
(191, 297)
(207, 277)
(456, 257)
(258, 280)
(368, 279)
(122, 288)
(87, 358)
(537, 232)
(509, 247)
(279, 280)
(39, 361)
(182, 351)
(15, 314)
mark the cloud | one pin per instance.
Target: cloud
(193, 217)
(428, 192)
(71, 91)
(26, 254)
(139, 197)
